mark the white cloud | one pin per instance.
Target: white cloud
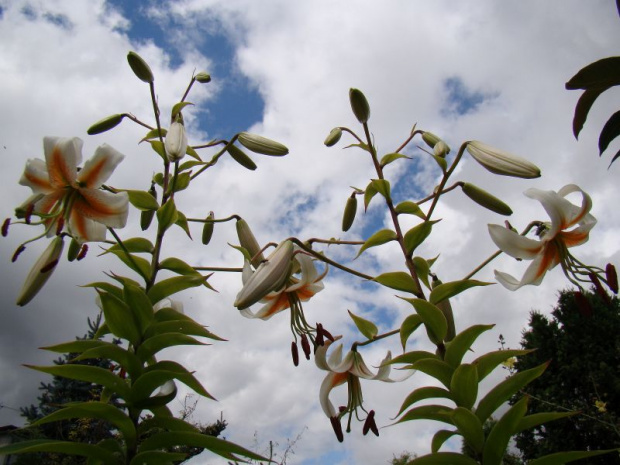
(58, 77)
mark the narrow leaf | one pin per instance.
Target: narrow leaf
(488, 362)
(423, 393)
(560, 458)
(462, 342)
(440, 438)
(499, 436)
(409, 208)
(366, 327)
(447, 290)
(464, 385)
(584, 104)
(444, 458)
(378, 238)
(603, 73)
(398, 280)
(470, 427)
(369, 193)
(170, 286)
(610, 131)
(391, 157)
(411, 323)
(417, 235)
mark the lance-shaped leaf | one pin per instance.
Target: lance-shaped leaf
(440, 437)
(366, 327)
(391, 157)
(382, 186)
(111, 351)
(369, 193)
(413, 356)
(560, 458)
(181, 182)
(462, 342)
(411, 323)
(178, 107)
(167, 215)
(506, 389)
(417, 235)
(409, 208)
(603, 73)
(97, 453)
(444, 458)
(160, 150)
(134, 245)
(378, 238)
(531, 421)
(488, 362)
(584, 104)
(499, 436)
(423, 393)
(97, 410)
(95, 375)
(120, 318)
(447, 290)
(137, 300)
(188, 327)
(162, 341)
(76, 346)
(182, 223)
(433, 318)
(464, 385)
(470, 427)
(422, 269)
(142, 200)
(154, 134)
(429, 412)
(178, 266)
(438, 369)
(134, 262)
(158, 374)
(170, 286)
(165, 423)
(610, 131)
(398, 280)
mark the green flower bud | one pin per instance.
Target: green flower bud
(249, 242)
(207, 230)
(41, 271)
(503, 163)
(441, 149)
(240, 157)
(203, 78)
(350, 210)
(333, 137)
(483, 198)
(105, 124)
(430, 139)
(359, 105)
(74, 250)
(139, 67)
(262, 145)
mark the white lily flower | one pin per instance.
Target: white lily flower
(555, 239)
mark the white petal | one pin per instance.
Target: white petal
(36, 177)
(62, 157)
(326, 386)
(98, 169)
(513, 243)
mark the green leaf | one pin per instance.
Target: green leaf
(167, 215)
(584, 104)
(133, 245)
(423, 393)
(417, 235)
(192, 153)
(120, 318)
(429, 412)
(162, 341)
(241, 157)
(136, 263)
(182, 223)
(398, 280)
(136, 299)
(157, 457)
(610, 131)
(447, 290)
(94, 452)
(185, 326)
(411, 323)
(444, 458)
(488, 362)
(409, 208)
(530, 421)
(170, 286)
(603, 73)
(189, 164)
(378, 238)
(382, 187)
(178, 266)
(97, 410)
(506, 389)
(158, 374)
(154, 134)
(142, 200)
(422, 269)
(390, 157)
(413, 356)
(499, 436)
(438, 369)
(439, 438)
(560, 458)
(464, 385)
(369, 193)
(433, 318)
(181, 182)
(159, 149)
(87, 373)
(462, 342)
(178, 107)
(111, 351)
(367, 328)
(470, 427)
(77, 346)
(167, 423)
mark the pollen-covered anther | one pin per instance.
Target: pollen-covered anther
(319, 340)
(305, 345)
(295, 353)
(5, 227)
(17, 253)
(599, 288)
(335, 421)
(82, 253)
(370, 424)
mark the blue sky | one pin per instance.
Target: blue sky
(472, 70)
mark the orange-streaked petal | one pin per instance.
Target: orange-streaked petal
(514, 244)
(62, 157)
(84, 229)
(331, 381)
(98, 169)
(36, 177)
(108, 208)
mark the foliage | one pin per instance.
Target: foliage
(584, 350)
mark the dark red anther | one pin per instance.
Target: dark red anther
(368, 424)
(28, 214)
(59, 225)
(305, 345)
(295, 353)
(335, 421)
(5, 227)
(82, 253)
(50, 266)
(583, 304)
(599, 287)
(319, 335)
(612, 277)
(19, 250)
(327, 334)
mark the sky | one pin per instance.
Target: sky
(469, 70)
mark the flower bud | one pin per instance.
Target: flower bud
(350, 210)
(359, 105)
(41, 271)
(139, 67)
(203, 78)
(441, 149)
(333, 137)
(74, 250)
(249, 242)
(486, 200)
(430, 139)
(262, 145)
(240, 157)
(105, 124)
(501, 162)
(207, 230)
(270, 275)
(176, 142)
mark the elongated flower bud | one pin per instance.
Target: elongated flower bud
(270, 275)
(483, 198)
(203, 78)
(241, 157)
(105, 124)
(430, 139)
(207, 230)
(503, 163)
(41, 271)
(441, 149)
(262, 145)
(139, 67)
(350, 210)
(176, 142)
(333, 137)
(249, 242)
(359, 105)
(74, 250)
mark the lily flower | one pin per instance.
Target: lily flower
(176, 141)
(71, 197)
(348, 370)
(570, 226)
(41, 271)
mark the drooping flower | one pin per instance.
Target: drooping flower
(71, 197)
(41, 271)
(570, 226)
(348, 370)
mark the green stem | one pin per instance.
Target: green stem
(127, 254)
(324, 259)
(375, 339)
